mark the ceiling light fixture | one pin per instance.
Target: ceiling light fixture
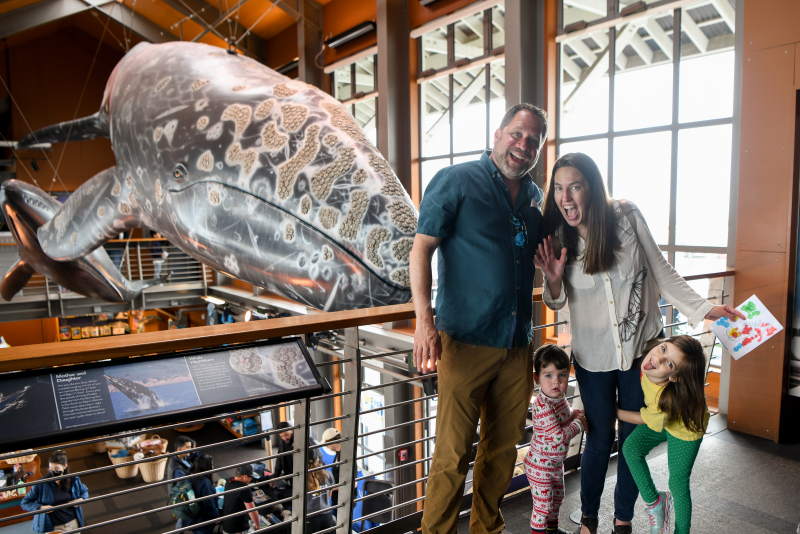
(213, 300)
(353, 33)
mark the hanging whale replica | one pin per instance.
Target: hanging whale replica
(263, 178)
(26, 208)
(144, 397)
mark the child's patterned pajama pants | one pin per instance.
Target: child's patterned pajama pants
(546, 477)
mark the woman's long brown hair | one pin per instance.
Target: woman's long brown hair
(685, 398)
(602, 241)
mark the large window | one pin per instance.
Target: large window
(461, 90)
(355, 86)
(659, 123)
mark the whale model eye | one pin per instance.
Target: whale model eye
(179, 173)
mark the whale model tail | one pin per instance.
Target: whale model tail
(144, 397)
(96, 125)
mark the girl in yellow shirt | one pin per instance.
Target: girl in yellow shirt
(673, 374)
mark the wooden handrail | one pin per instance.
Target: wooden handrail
(88, 350)
(28, 357)
(709, 275)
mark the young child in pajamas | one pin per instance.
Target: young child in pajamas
(673, 375)
(553, 428)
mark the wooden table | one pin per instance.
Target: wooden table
(11, 506)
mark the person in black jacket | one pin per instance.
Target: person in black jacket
(284, 465)
(203, 487)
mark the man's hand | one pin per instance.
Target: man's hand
(427, 347)
(718, 312)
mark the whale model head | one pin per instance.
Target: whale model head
(263, 178)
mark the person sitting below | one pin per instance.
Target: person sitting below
(203, 487)
(553, 428)
(318, 479)
(331, 454)
(239, 502)
(43, 497)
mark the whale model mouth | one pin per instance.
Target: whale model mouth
(355, 257)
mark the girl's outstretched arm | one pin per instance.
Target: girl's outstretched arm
(630, 417)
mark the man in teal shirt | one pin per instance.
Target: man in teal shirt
(483, 217)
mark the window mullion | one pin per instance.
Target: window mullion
(676, 71)
(612, 53)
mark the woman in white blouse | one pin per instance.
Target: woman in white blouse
(611, 273)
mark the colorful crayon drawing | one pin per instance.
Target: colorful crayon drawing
(741, 337)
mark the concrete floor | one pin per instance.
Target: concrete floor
(740, 485)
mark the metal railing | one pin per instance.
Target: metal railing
(137, 259)
(346, 356)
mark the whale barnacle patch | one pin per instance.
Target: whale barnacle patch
(282, 90)
(305, 204)
(101, 211)
(264, 109)
(287, 173)
(270, 137)
(162, 84)
(322, 181)
(246, 158)
(197, 84)
(401, 249)
(202, 122)
(206, 161)
(326, 254)
(359, 201)
(328, 217)
(360, 177)
(401, 276)
(115, 191)
(375, 238)
(124, 208)
(157, 133)
(289, 233)
(403, 216)
(159, 192)
(293, 117)
(239, 114)
(239, 88)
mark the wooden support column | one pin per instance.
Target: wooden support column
(309, 43)
(394, 85)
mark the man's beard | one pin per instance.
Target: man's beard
(503, 167)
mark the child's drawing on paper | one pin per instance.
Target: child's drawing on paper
(740, 337)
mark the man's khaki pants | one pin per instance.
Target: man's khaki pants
(475, 382)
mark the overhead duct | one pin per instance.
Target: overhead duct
(353, 33)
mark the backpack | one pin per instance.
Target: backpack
(183, 492)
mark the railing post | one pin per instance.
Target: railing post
(139, 259)
(300, 486)
(349, 452)
(47, 296)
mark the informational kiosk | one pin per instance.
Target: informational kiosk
(39, 408)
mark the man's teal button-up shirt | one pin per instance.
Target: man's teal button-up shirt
(485, 286)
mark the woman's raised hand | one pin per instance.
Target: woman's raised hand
(545, 259)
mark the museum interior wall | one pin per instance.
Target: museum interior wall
(767, 213)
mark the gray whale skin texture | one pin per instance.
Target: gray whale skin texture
(263, 178)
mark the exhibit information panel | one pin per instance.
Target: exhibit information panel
(141, 391)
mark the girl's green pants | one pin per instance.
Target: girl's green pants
(680, 459)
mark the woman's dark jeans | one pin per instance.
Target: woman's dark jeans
(600, 392)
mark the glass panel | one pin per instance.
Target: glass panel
(704, 184)
(342, 89)
(365, 113)
(498, 26)
(596, 149)
(641, 175)
(464, 159)
(643, 81)
(586, 10)
(434, 49)
(707, 62)
(584, 85)
(365, 75)
(469, 37)
(690, 263)
(497, 97)
(469, 110)
(435, 109)
(429, 170)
